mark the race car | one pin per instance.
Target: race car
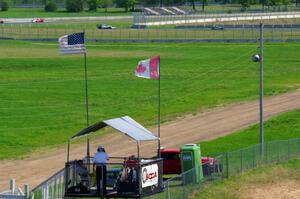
(216, 27)
(104, 26)
(38, 20)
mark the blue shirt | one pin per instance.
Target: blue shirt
(100, 158)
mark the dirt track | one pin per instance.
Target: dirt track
(191, 128)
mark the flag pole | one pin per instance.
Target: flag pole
(86, 88)
(158, 115)
(86, 104)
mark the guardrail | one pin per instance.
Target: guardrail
(148, 20)
(15, 192)
(52, 188)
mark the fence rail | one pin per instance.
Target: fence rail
(235, 33)
(15, 192)
(144, 19)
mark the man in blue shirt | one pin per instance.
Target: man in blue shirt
(100, 160)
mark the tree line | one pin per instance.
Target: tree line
(128, 5)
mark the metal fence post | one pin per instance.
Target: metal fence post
(168, 190)
(289, 150)
(26, 191)
(12, 185)
(291, 31)
(266, 151)
(253, 155)
(227, 165)
(278, 153)
(241, 160)
(299, 145)
(183, 184)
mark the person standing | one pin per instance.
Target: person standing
(100, 161)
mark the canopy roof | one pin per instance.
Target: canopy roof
(125, 125)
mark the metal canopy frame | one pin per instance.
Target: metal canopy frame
(125, 125)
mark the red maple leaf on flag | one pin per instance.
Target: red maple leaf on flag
(140, 69)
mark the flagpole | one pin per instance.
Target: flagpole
(86, 89)
(158, 115)
(86, 105)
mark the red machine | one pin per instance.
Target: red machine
(172, 165)
(38, 20)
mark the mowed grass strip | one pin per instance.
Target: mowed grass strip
(43, 100)
(269, 181)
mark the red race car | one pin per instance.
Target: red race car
(38, 20)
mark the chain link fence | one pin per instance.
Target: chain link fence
(141, 18)
(185, 185)
(234, 33)
(233, 163)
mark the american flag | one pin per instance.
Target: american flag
(72, 44)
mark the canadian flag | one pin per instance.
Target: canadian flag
(148, 68)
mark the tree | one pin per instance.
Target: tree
(50, 7)
(130, 5)
(245, 4)
(126, 4)
(286, 3)
(150, 2)
(105, 4)
(93, 4)
(4, 5)
(74, 5)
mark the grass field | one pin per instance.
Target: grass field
(42, 93)
(256, 183)
(282, 127)
(39, 12)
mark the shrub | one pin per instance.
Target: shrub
(74, 5)
(50, 7)
(4, 6)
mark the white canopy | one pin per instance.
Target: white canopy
(125, 124)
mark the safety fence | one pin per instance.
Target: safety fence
(232, 163)
(222, 33)
(15, 192)
(140, 18)
(184, 185)
(52, 188)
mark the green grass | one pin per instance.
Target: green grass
(267, 176)
(282, 127)
(39, 12)
(42, 93)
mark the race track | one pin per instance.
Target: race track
(189, 129)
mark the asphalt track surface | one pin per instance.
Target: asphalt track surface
(208, 125)
(177, 19)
